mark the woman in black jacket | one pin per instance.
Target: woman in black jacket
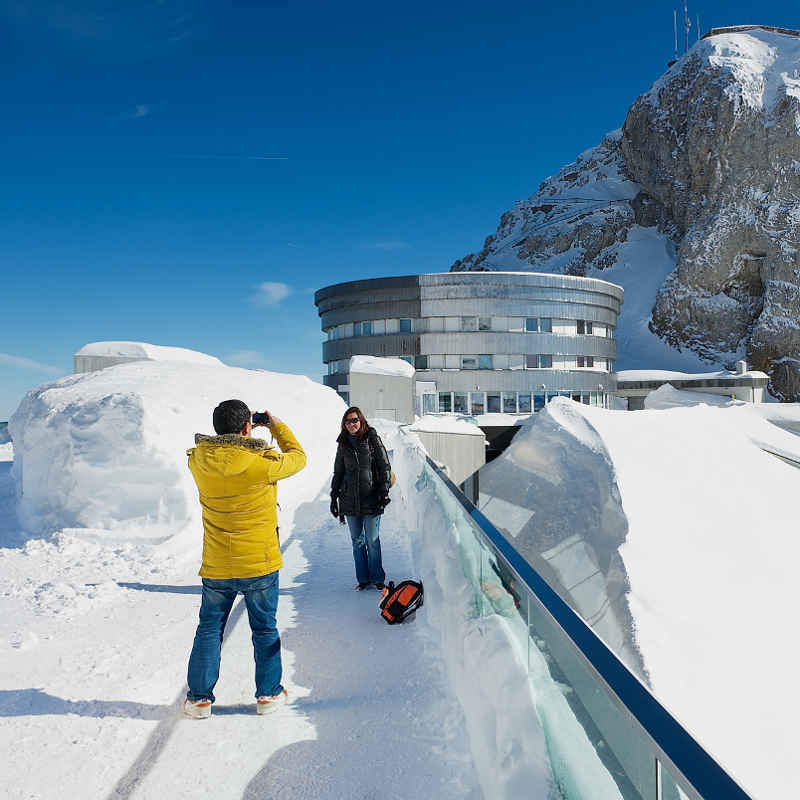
(360, 492)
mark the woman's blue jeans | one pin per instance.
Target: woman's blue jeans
(367, 548)
(261, 598)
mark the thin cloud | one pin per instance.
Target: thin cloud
(230, 158)
(28, 363)
(245, 358)
(389, 245)
(271, 293)
(142, 110)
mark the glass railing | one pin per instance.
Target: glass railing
(583, 692)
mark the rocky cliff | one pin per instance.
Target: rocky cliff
(693, 206)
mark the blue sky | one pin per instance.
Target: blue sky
(188, 173)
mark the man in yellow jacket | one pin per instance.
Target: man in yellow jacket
(236, 477)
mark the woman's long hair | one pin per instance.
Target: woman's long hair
(362, 428)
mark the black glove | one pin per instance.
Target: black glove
(334, 506)
(384, 501)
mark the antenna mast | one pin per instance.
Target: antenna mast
(687, 23)
(698, 27)
(675, 30)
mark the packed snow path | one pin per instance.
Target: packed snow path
(91, 695)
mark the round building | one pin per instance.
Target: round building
(480, 342)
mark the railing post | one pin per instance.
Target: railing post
(659, 791)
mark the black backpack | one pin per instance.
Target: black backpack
(399, 602)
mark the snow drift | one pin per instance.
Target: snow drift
(708, 556)
(107, 450)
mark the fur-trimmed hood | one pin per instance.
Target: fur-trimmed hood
(233, 438)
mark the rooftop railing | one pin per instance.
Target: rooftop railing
(647, 753)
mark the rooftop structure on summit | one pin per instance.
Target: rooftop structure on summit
(745, 28)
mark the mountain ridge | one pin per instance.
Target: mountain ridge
(693, 206)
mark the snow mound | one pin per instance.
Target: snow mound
(431, 423)
(707, 555)
(667, 396)
(106, 450)
(147, 352)
(375, 365)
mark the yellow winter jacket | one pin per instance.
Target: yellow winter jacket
(236, 477)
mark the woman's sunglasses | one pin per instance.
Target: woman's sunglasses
(352, 421)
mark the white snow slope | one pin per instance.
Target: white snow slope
(99, 597)
(711, 554)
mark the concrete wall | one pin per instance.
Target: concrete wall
(383, 396)
(462, 453)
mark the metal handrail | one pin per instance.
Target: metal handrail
(697, 772)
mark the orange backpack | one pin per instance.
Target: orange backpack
(399, 602)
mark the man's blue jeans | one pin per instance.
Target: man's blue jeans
(261, 597)
(367, 548)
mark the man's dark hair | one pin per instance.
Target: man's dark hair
(230, 416)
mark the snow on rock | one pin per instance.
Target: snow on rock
(708, 558)
(375, 365)
(106, 450)
(145, 351)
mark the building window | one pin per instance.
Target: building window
(539, 400)
(460, 402)
(346, 397)
(585, 361)
(531, 325)
(493, 402)
(509, 402)
(469, 362)
(485, 361)
(435, 362)
(356, 329)
(408, 359)
(524, 402)
(429, 404)
(469, 323)
(366, 329)
(484, 323)
(420, 362)
(478, 402)
(445, 406)
(584, 326)
(435, 324)
(545, 325)
(539, 362)
(379, 327)
(405, 326)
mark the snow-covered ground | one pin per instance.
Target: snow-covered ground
(99, 597)
(709, 548)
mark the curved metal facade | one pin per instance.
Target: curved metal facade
(436, 307)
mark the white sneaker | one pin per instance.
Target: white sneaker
(266, 704)
(197, 709)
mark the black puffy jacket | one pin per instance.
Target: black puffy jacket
(361, 474)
